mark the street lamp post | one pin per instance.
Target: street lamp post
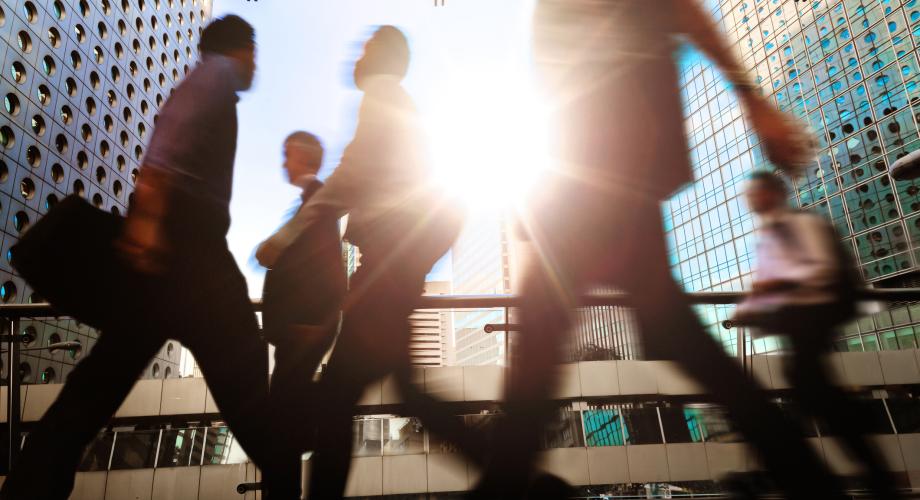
(12, 394)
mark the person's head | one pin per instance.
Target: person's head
(303, 155)
(233, 37)
(385, 53)
(766, 192)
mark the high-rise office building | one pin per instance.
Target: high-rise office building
(480, 266)
(850, 70)
(81, 82)
(490, 258)
(429, 344)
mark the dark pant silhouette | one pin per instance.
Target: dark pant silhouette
(374, 341)
(292, 393)
(302, 297)
(615, 237)
(202, 302)
(811, 332)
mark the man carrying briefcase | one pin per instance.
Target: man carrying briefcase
(183, 283)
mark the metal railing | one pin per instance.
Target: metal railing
(14, 313)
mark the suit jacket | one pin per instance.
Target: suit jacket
(307, 284)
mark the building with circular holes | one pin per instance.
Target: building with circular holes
(81, 82)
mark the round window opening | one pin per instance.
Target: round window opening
(27, 188)
(48, 375)
(25, 372)
(8, 292)
(21, 221)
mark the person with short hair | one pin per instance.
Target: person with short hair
(804, 288)
(301, 299)
(401, 224)
(188, 283)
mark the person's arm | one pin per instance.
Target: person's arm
(786, 141)
(333, 200)
(142, 242)
(693, 21)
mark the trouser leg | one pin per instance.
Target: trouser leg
(93, 392)
(373, 342)
(354, 364)
(215, 320)
(817, 395)
(235, 366)
(291, 392)
(544, 319)
(374, 339)
(439, 419)
(672, 331)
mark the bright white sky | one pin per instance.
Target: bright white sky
(305, 52)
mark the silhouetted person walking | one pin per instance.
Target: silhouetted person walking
(609, 68)
(804, 288)
(401, 225)
(188, 284)
(300, 312)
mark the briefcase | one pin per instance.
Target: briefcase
(68, 258)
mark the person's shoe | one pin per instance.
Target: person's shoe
(745, 485)
(549, 487)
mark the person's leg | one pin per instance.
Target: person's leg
(93, 392)
(672, 331)
(818, 396)
(374, 339)
(438, 418)
(545, 317)
(363, 353)
(234, 362)
(291, 392)
(214, 319)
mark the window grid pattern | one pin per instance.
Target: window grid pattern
(850, 69)
(82, 81)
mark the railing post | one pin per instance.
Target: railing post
(742, 352)
(505, 337)
(12, 404)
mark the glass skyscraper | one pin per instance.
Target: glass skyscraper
(82, 81)
(850, 70)
(480, 266)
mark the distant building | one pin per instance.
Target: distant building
(431, 331)
(490, 258)
(480, 263)
(851, 71)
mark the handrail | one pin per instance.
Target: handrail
(10, 311)
(13, 313)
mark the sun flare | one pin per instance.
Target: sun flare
(489, 141)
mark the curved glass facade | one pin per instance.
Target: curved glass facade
(850, 70)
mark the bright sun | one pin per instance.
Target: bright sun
(489, 141)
